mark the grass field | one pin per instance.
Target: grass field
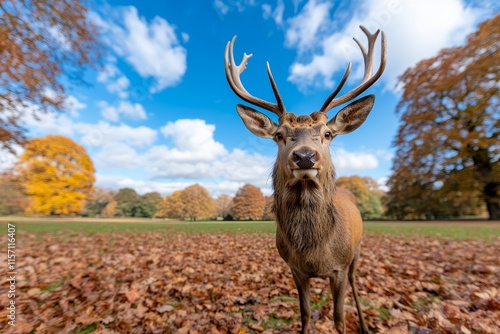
(444, 229)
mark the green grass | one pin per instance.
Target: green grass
(53, 286)
(176, 226)
(453, 230)
(89, 329)
(275, 322)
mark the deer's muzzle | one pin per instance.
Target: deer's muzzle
(304, 158)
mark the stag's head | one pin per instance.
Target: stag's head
(304, 141)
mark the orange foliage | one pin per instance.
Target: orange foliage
(193, 202)
(171, 206)
(42, 43)
(197, 202)
(249, 203)
(57, 174)
(447, 159)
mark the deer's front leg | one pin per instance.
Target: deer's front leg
(338, 285)
(352, 280)
(302, 284)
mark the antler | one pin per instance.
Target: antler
(368, 79)
(233, 73)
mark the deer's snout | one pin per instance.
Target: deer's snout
(305, 158)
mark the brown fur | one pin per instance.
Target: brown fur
(319, 226)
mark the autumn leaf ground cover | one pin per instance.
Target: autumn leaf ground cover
(90, 279)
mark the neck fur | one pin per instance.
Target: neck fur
(304, 211)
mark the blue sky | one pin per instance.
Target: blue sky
(160, 115)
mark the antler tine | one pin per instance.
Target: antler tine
(233, 73)
(367, 80)
(275, 88)
(337, 90)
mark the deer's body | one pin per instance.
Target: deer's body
(320, 239)
(319, 226)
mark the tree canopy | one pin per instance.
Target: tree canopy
(57, 174)
(44, 46)
(171, 206)
(367, 195)
(249, 203)
(197, 202)
(448, 148)
(96, 201)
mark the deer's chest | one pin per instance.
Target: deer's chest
(322, 260)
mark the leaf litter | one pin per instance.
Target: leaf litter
(236, 283)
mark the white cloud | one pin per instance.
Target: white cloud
(267, 11)
(133, 111)
(415, 30)
(73, 106)
(8, 160)
(303, 29)
(52, 122)
(221, 7)
(151, 48)
(346, 162)
(382, 183)
(117, 155)
(276, 14)
(116, 82)
(70, 104)
(193, 139)
(102, 133)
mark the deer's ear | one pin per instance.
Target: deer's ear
(258, 123)
(351, 117)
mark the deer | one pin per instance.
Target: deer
(318, 225)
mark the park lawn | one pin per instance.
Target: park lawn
(455, 230)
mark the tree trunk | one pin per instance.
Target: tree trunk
(492, 198)
(485, 174)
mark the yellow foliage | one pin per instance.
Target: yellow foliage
(109, 210)
(197, 202)
(57, 174)
(171, 206)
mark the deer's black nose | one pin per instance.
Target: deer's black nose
(304, 158)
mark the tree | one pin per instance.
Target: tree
(125, 201)
(148, 204)
(109, 210)
(223, 205)
(57, 174)
(44, 46)
(97, 200)
(249, 203)
(131, 204)
(197, 202)
(367, 195)
(447, 145)
(13, 200)
(171, 206)
(268, 209)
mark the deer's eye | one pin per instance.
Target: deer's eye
(279, 136)
(328, 135)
